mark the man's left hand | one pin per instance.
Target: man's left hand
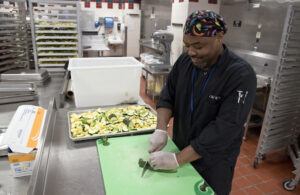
(163, 160)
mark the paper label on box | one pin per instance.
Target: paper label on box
(36, 128)
(25, 128)
(21, 164)
(18, 158)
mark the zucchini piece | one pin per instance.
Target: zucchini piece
(130, 112)
(85, 127)
(84, 120)
(91, 132)
(112, 116)
(99, 119)
(104, 141)
(126, 121)
(125, 128)
(144, 114)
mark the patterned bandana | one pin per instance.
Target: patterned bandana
(204, 23)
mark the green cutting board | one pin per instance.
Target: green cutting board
(122, 174)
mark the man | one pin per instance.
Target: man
(209, 92)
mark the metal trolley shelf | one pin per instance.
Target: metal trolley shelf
(14, 51)
(55, 32)
(55, 49)
(281, 125)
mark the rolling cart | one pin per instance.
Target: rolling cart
(55, 33)
(14, 51)
(281, 125)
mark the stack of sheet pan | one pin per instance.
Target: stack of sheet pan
(11, 92)
(39, 77)
(3, 148)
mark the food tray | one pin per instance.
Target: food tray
(56, 20)
(56, 8)
(17, 98)
(57, 49)
(55, 14)
(8, 55)
(9, 37)
(52, 65)
(57, 54)
(142, 131)
(7, 61)
(56, 31)
(56, 43)
(55, 37)
(54, 59)
(11, 25)
(3, 149)
(16, 87)
(8, 31)
(56, 26)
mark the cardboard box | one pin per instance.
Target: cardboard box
(22, 138)
(21, 164)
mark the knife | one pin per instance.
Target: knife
(145, 168)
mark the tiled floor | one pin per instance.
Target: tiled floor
(267, 178)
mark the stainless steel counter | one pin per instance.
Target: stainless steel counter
(71, 168)
(62, 167)
(9, 184)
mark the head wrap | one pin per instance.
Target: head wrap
(204, 23)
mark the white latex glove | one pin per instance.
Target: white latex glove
(158, 140)
(163, 160)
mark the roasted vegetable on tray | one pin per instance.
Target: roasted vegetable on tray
(112, 121)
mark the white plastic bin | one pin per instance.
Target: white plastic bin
(105, 81)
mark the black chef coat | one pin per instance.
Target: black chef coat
(215, 127)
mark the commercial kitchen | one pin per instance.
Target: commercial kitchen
(80, 80)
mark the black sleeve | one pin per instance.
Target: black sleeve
(167, 95)
(219, 134)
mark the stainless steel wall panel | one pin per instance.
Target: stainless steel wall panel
(240, 37)
(162, 11)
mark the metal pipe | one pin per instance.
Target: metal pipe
(125, 41)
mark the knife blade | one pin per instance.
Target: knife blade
(145, 168)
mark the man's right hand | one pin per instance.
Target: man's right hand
(158, 140)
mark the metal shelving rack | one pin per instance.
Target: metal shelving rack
(293, 55)
(281, 125)
(30, 47)
(55, 33)
(14, 51)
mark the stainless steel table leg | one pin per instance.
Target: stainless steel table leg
(146, 78)
(247, 125)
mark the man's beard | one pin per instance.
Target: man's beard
(203, 65)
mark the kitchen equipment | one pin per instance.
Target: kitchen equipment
(122, 175)
(161, 44)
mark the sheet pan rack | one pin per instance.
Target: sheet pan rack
(281, 125)
(55, 32)
(14, 51)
